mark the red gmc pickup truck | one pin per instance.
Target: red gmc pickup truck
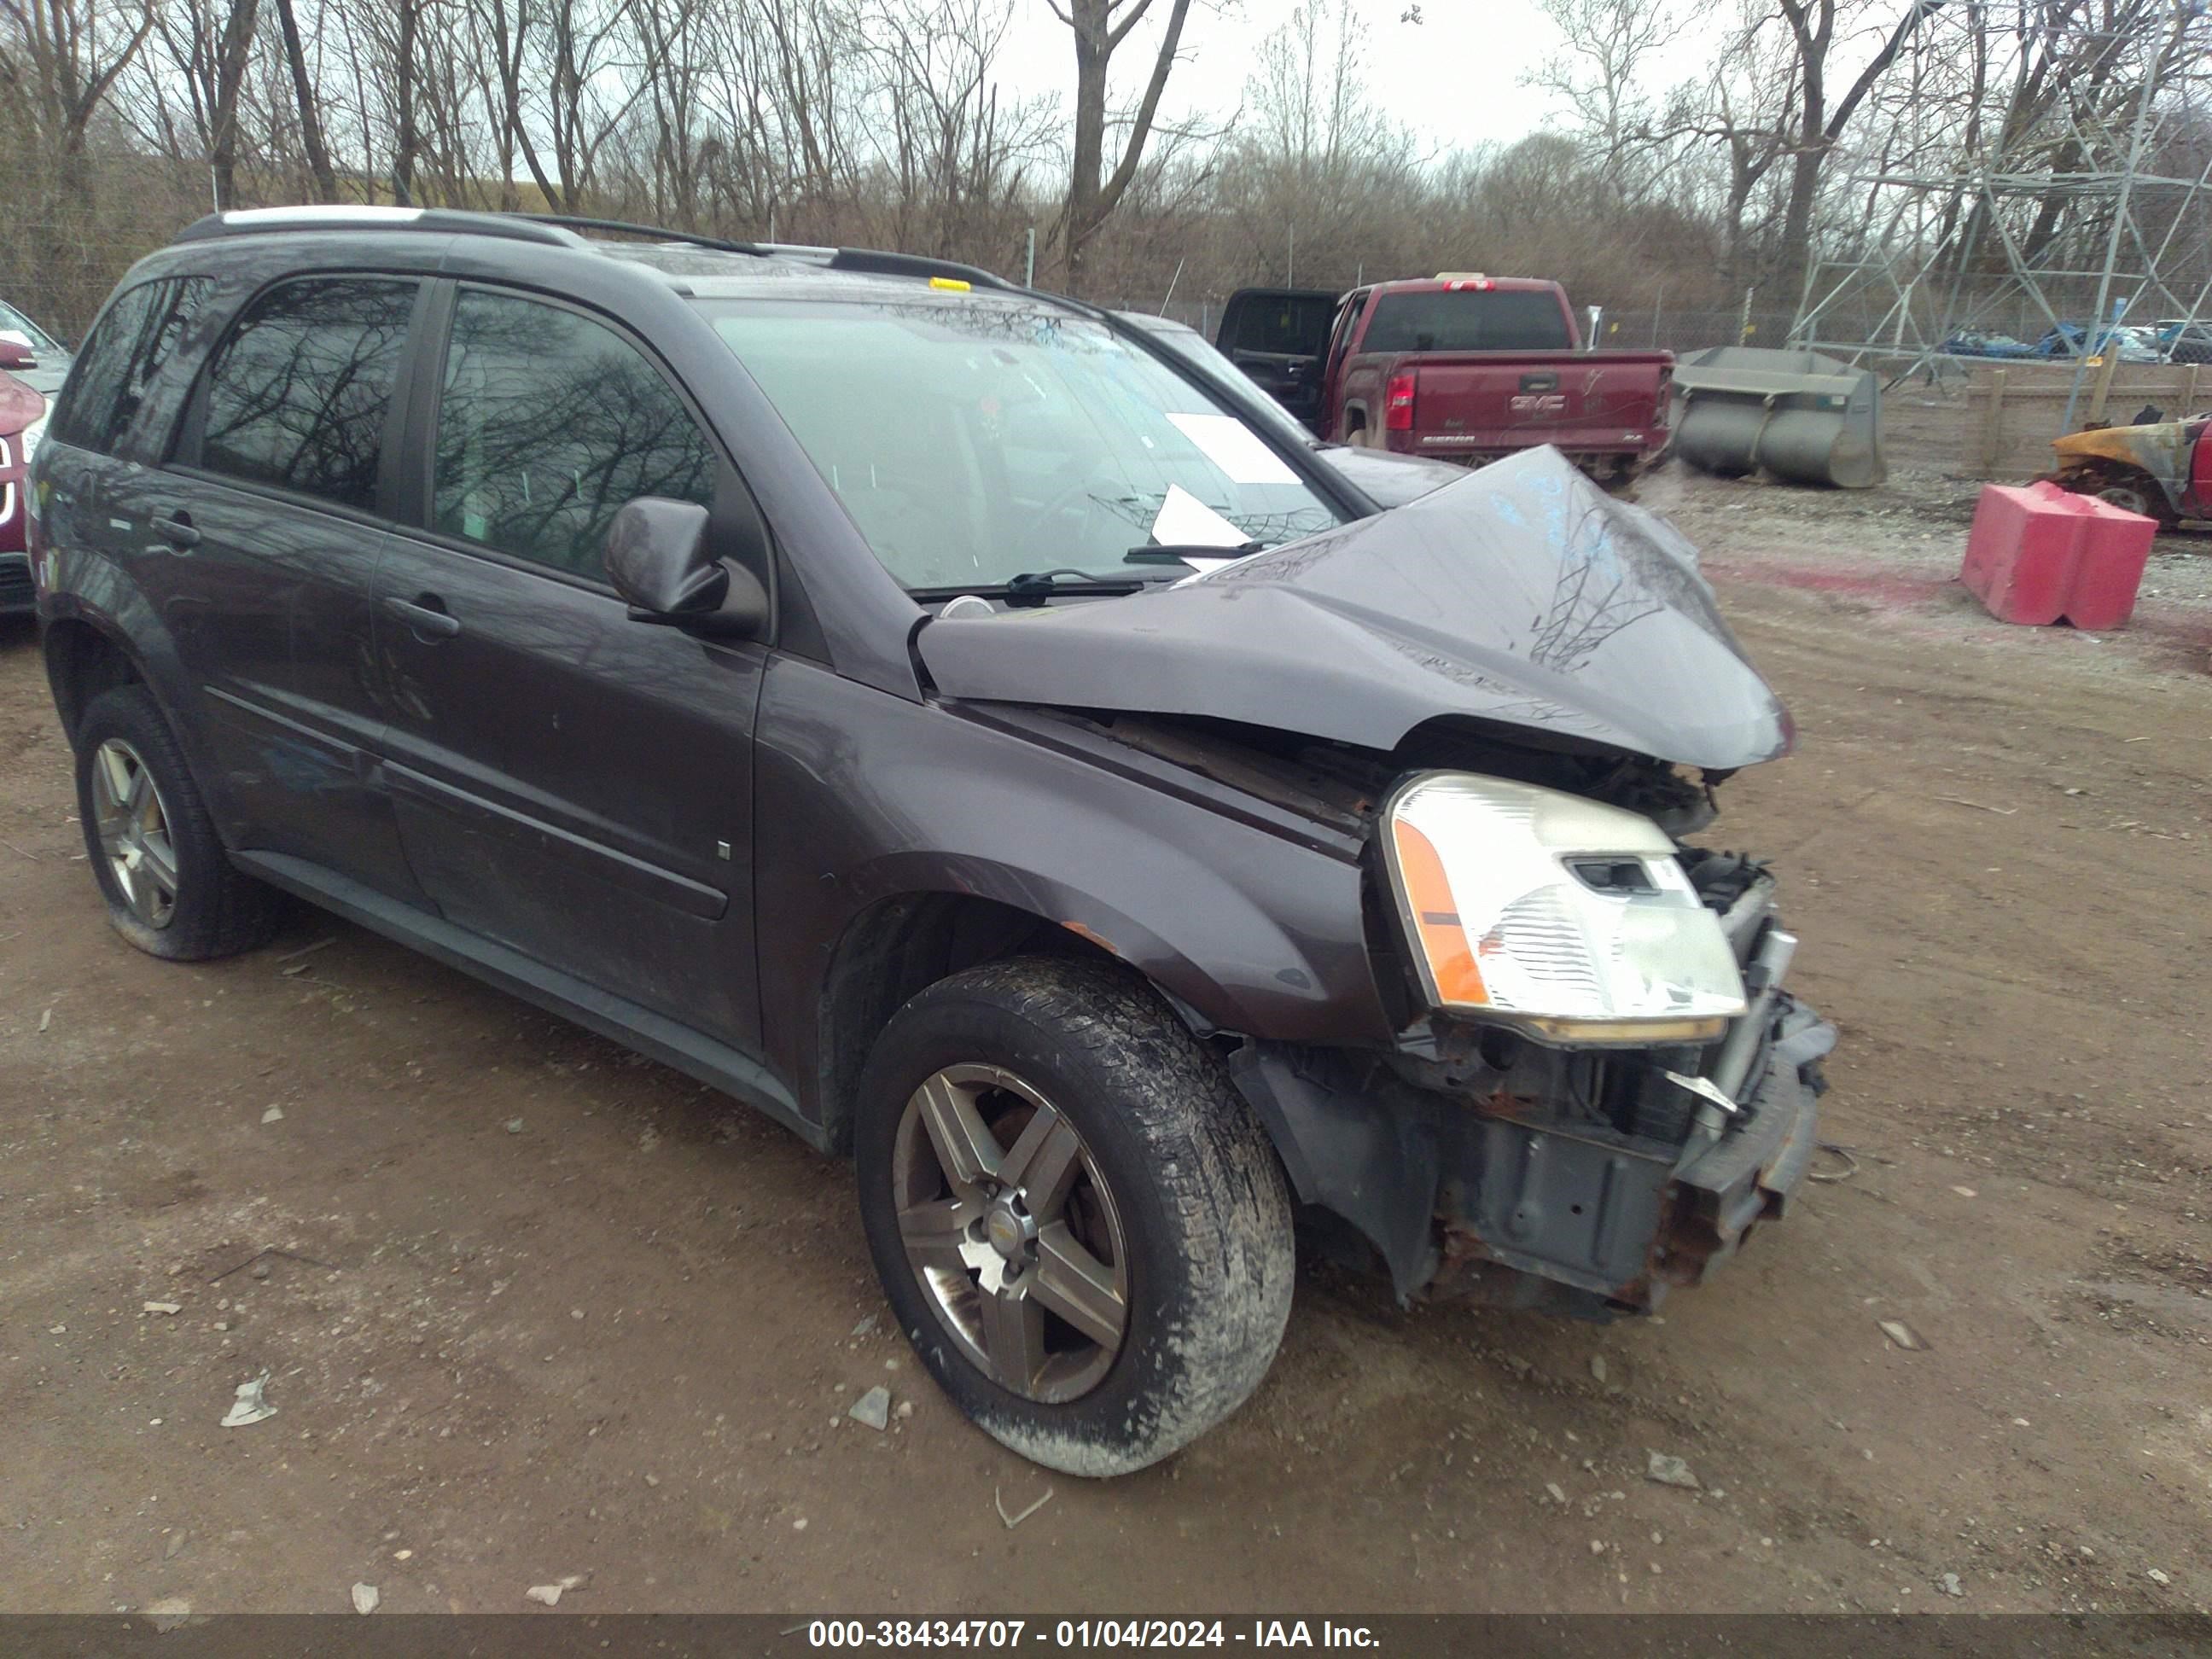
(1461, 367)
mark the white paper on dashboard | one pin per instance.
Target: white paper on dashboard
(1183, 520)
(1235, 448)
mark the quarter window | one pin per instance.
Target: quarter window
(300, 395)
(131, 342)
(548, 424)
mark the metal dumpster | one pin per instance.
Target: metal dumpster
(1802, 416)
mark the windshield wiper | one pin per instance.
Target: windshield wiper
(1030, 588)
(1184, 552)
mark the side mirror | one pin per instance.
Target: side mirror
(16, 350)
(658, 559)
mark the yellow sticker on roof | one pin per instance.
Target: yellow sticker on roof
(951, 282)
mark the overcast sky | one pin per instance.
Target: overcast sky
(1455, 78)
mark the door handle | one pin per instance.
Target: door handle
(178, 531)
(426, 614)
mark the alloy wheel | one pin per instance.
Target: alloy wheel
(1010, 1233)
(133, 826)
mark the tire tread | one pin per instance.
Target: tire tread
(1212, 1172)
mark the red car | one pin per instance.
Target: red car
(1459, 366)
(22, 418)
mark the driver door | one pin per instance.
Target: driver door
(1276, 334)
(568, 783)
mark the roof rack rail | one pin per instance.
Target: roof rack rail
(337, 216)
(868, 260)
(624, 227)
(560, 230)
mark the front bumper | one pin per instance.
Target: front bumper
(1511, 1201)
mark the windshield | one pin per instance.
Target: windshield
(1227, 381)
(40, 340)
(973, 440)
(1469, 319)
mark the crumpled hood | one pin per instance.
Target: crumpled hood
(2164, 450)
(1522, 596)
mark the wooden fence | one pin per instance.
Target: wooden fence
(1998, 422)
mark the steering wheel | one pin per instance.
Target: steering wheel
(1070, 495)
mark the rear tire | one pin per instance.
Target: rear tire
(171, 888)
(1149, 1174)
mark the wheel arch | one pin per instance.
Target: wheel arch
(2098, 474)
(901, 944)
(82, 660)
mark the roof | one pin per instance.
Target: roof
(1446, 282)
(682, 257)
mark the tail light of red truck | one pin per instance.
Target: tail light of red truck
(1398, 403)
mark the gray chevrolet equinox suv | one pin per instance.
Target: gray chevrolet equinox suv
(947, 717)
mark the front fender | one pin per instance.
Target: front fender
(1213, 945)
(1247, 916)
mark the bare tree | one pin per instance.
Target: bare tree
(1317, 172)
(1599, 76)
(1101, 28)
(65, 56)
(207, 45)
(952, 147)
(1812, 27)
(316, 151)
(1742, 114)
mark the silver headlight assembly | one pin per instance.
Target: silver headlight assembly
(1564, 919)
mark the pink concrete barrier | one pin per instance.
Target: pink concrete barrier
(2040, 553)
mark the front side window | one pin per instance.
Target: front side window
(299, 393)
(132, 340)
(973, 439)
(548, 424)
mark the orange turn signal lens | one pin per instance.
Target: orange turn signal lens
(1435, 915)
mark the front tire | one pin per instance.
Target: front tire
(1079, 1225)
(2133, 491)
(171, 888)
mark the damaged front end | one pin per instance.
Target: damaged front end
(1480, 1160)
(1508, 702)
(2146, 468)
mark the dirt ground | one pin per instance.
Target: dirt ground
(531, 1306)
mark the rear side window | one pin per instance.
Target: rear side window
(132, 340)
(299, 393)
(1469, 319)
(548, 424)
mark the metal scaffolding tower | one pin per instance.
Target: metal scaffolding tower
(1925, 272)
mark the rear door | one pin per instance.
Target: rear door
(257, 544)
(1276, 336)
(569, 783)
